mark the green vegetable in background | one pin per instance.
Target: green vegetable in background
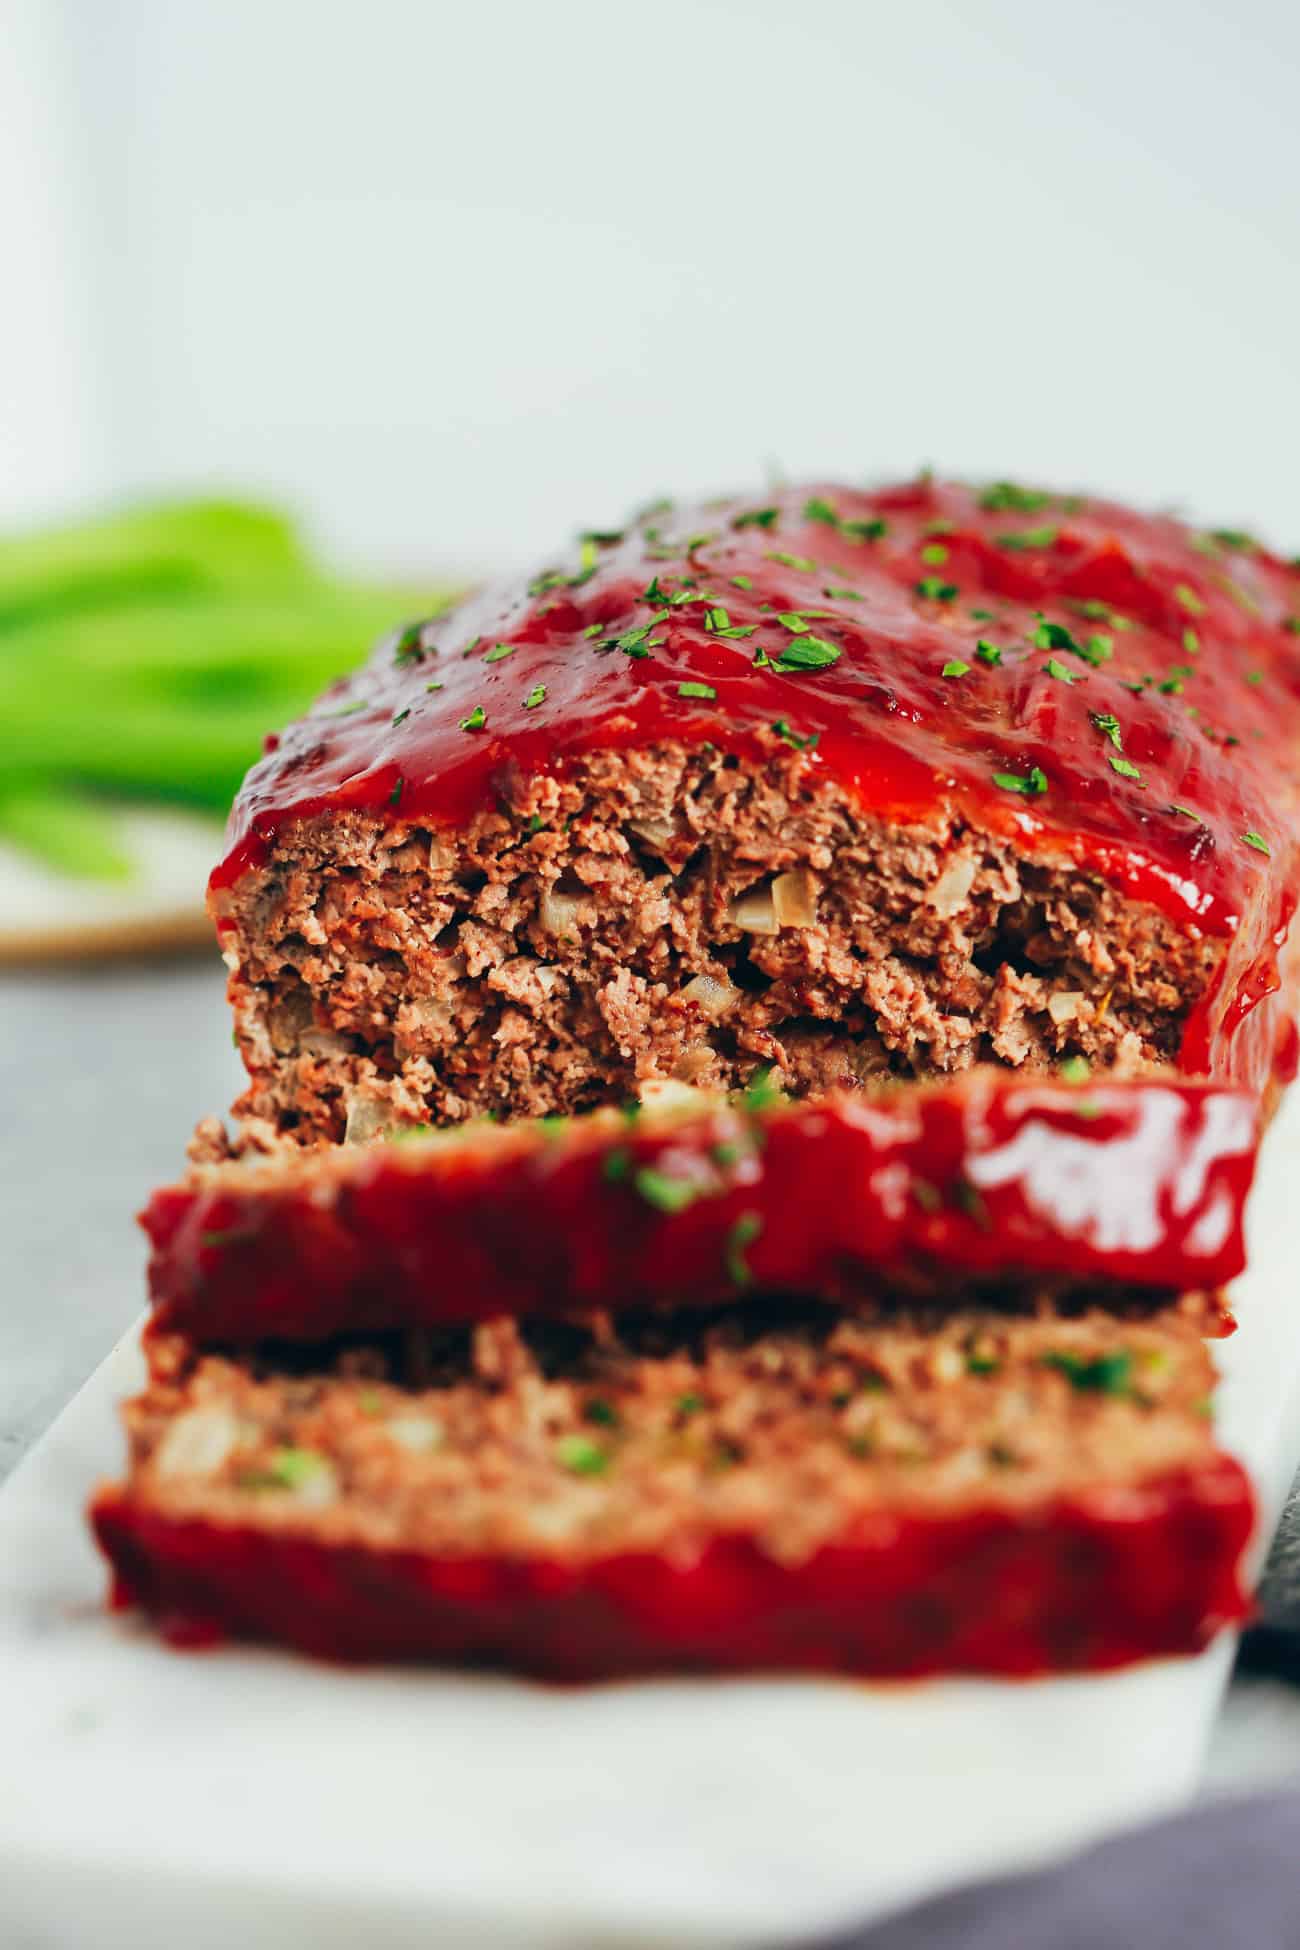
(147, 654)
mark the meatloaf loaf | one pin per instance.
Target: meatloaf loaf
(845, 783)
(868, 1197)
(760, 1487)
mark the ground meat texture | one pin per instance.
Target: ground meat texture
(674, 915)
(774, 784)
(766, 1486)
(869, 1197)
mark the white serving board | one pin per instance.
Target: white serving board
(244, 1798)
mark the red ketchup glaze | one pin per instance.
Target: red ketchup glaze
(1088, 1580)
(1145, 693)
(985, 1178)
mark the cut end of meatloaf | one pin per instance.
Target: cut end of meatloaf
(774, 1484)
(673, 914)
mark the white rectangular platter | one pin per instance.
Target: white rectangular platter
(244, 1798)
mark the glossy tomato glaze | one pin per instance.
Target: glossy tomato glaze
(987, 1178)
(1091, 1580)
(1135, 706)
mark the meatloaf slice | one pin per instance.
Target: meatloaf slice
(868, 1197)
(771, 1486)
(850, 784)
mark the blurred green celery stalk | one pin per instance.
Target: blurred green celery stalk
(148, 653)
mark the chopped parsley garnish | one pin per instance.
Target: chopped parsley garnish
(1124, 766)
(742, 1234)
(988, 653)
(399, 717)
(1191, 642)
(1235, 538)
(839, 593)
(791, 738)
(818, 510)
(1006, 497)
(535, 697)
(1189, 600)
(792, 561)
(1055, 668)
(982, 1364)
(1291, 623)
(1028, 538)
(287, 1469)
(1108, 725)
(688, 1404)
(743, 582)
(1013, 782)
(760, 1092)
(936, 591)
(602, 537)
(1075, 1069)
(664, 1193)
(935, 554)
(395, 796)
(790, 619)
(757, 518)
(476, 719)
(719, 623)
(602, 1413)
(1258, 841)
(409, 648)
(548, 580)
(1099, 649)
(808, 653)
(954, 668)
(696, 690)
(581, 1455)
(498, 651)
(1106, 1374)
(349, 710)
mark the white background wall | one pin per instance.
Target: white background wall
(459, 278)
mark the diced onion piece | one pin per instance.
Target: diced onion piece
(319, 1486)
(1065, 1004)
(197, 1443)
(367, 1118)
(655, 832)
(441, 853)
(711, 997)
(693, 1063)
(665, 1093)
(951, 888)
(754, 912)
(559, 912)
(416, 1432)
(794, 899)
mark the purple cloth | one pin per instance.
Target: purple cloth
(1225, 1877)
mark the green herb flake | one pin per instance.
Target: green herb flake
(1259, 843)
(1109, 727)
(409, 648)
(350, 710)
(600, 1412)
(400, 717)
(688, 1405)
(433, 687)
(790, 619)
(988, 653)
(841, 593)
(742, 582)
(395, 796)
(1292, 624)
(498, 651)
(1055, 668)
(742, 1234)
(819, 510)
(1055, 636)
(1254, 676)
(288, 1468)
(982, 1364)
(1075, 1069)
(1028, 538)
(760, 1092)
(808, 653)
(1006, 497)
(936, 591)
(954, 668)
(792, 561)
(549, 579)
(1124, 766)
(792, 738)
(581, 1455)
(1034, 783)
(1106, 1374)
(696, 690)
(935, 554)
(1188, 599)
(758, 518)
(664, 1193)
(1191, 642)
(476, 719)
(535, 697)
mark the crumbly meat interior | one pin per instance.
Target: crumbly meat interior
(781, 1421)
(669, 913)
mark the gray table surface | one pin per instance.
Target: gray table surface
(105, 1070)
